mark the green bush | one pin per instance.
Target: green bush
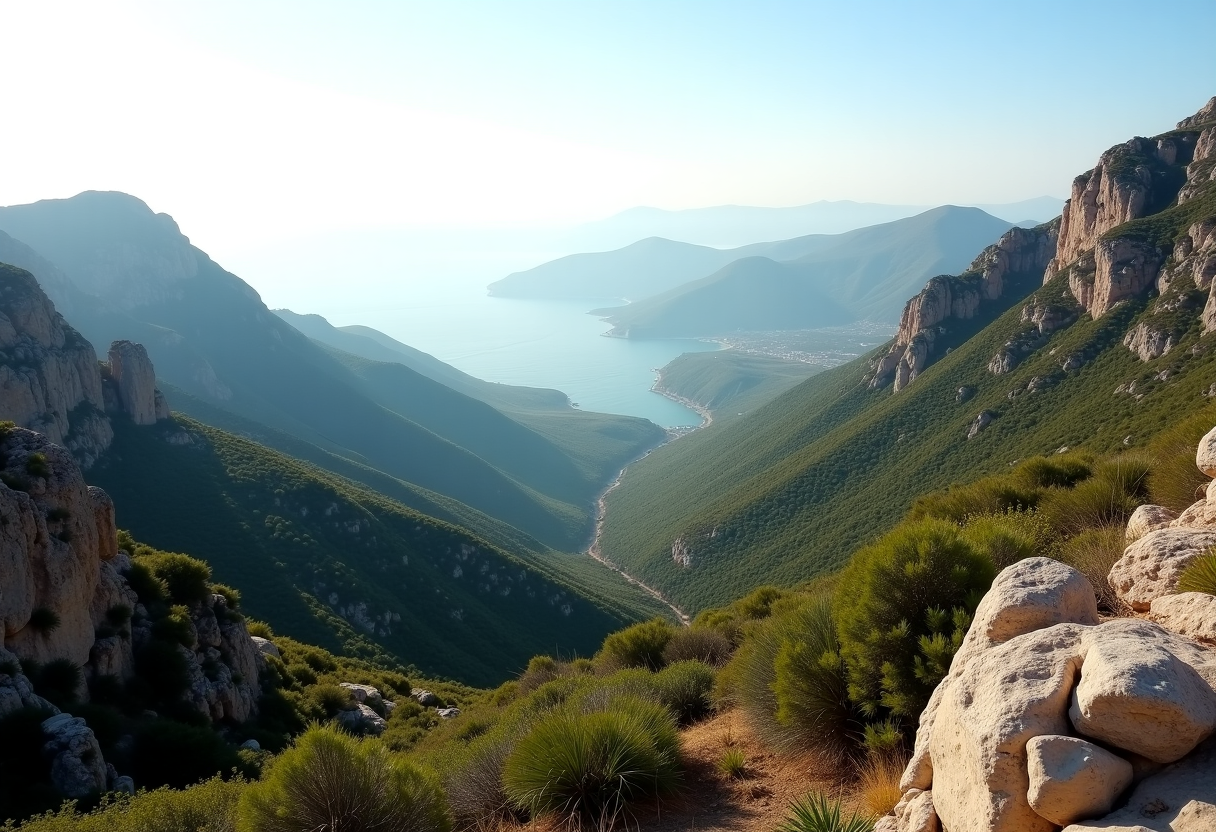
(329, 781)
(330, 698)
(641, 645)
(232, 597)
(901, 609)
(1092, 553)
(170, 753)
(731, 620)
(1008, 537)
(209, 806)
(991, 495)
(733, 763)
(1106, 499)
(44, 620)
(1174, 481)
(700, 644)
(818, 813)
(1060, 471)
(685, 688)
(541, 669)
(150, 589)
(1199, 575)
(175, 627)
(258, 628)
(187, 579)
(589, 768)
(36, 465)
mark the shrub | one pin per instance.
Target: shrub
(733, 763)
(175, 627)
(730, 621)
(328, 780)
(472, 780)
(902, 609)
(330, 698)
(817, 813)
(641, 645)
(209, 806)
(118, 615)
(1199, 575)
(170, 753)
(541, 669)
(1127, 473)
(700, 644)
(1174, 481)
(1060, 471)
(1008, 537)
(258, 628)
(44, 620)
(685, 688)
(59, 681)
(302, 673)
(1092, 553)
(187, 579)
(991, 495)
(588, 768)
(812, 709)
(150, 589)
(878, 784)
(1100, 501)
(232, 597)
(36, 465)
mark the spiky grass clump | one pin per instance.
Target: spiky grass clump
(1092, 553)
(44, 619)
(818, 813)
(733, 763)
(698, 643)
(328, 780)
(588, 768)
(1199, 575)
(878, 784)
(685, 688)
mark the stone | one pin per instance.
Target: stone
(987, 714)
(1205, 454)
(981, 421)
(362, 720)
(1030, 595)
(1137, 692)
(1191, 614)
(123, 785)
(1072, 779)
(1147, 519)
(448, 713)
(77, 767)
(914, 812)
(363, 694)
(886, 823)
(424, 697)
(1150, 566)
(1147, 342)
(135, 381)
(264, 646)
(251, 745)
(1181, 798)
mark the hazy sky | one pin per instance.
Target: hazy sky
(254, 119)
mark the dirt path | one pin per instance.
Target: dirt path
(601, 506)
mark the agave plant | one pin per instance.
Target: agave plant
(819, 813)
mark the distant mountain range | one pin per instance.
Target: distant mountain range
(679, 289)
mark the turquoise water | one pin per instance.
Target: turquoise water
(534, 343)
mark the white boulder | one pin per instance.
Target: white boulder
(1147, 519)
(1150, 567)
(1190, 614)
(1072, 779)
(1205, 454)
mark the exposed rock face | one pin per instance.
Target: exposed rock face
(1150, 567)
(48, 372)
(135, 382)
(361, 719)
(16, 692)
(1072, 779)
(52, 538)
(1147, 342)
(1124, 269)
(223, 663)
(1020, 251)
(982, 420)
(1190, 614)
(77, 767)
(1147, 518)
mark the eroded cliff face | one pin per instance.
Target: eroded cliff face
(49, 381)
(1019, 252)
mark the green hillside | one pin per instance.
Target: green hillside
(209, 334)
(729, 382)
(788, 492)
(864, 274)
(331, 562)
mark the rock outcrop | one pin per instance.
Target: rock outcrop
(77, 767)
(926, 317)
(134, 381)
(48, 373)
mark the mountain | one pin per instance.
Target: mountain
(1094, 332)
(864, 274)
(210, 335)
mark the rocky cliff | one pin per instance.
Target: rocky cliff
(50, 379)
(947, 299)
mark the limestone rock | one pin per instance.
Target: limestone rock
(362, 720)
(1138, 693)
(1191, 614)
(1125, 269)
(982, 420)
(1205, 455)
(77, 767)
(1147, 519)
(915, 813)
(1150, 566)
(1072, 779)
(1148, 343)
(363, 694)
(264, 646)
(48, 373)
(134, 380)
(886, 823)
(448, 713)
(1182, 798)
(1002, 698)
(424, 697)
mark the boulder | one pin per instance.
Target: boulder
(1137, 692)
(1181, 798)
(1190, 614)
(363, 694)
(424, 697)
(1205, 454)
(448, 713)
(1072, 779)
(77, 767)
(362, 720)
(1026, 596)
(988, 712)
(264, 646)
(1147, 519)
(914, 813)
(1150, 566)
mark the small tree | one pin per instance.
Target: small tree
(641, 645)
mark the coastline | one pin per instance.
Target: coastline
(601, 506)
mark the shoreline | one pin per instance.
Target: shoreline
(601, 505)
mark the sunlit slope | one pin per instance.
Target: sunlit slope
(786, 493)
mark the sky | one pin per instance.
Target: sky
(259, 120)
